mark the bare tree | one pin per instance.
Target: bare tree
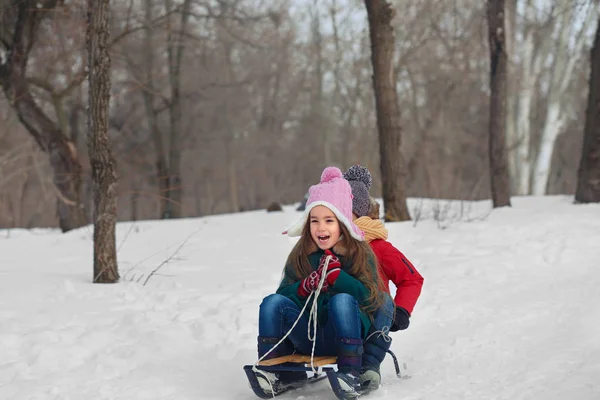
(25, 17)
(316, 116)
(149, 93)
(348, 82)
(260, 84)
(560, 77)
(101, 158)
(553, 37)
(500, 180)
(518, 126)
(380, 14)
(510, 24)
(175, 49)
(588, 183)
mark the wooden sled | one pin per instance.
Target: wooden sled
(300, 359)
(325, 368)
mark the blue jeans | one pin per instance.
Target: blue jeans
(378, 343)
(278, 314)
(384, 316)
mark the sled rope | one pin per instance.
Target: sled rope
(312, 318)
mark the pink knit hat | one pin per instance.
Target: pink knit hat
(333, 192)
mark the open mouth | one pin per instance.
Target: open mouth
(323, 238)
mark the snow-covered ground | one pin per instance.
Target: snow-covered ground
(510, 308)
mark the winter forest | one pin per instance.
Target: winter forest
(229, 105)
(165, 145)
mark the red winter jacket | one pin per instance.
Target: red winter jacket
(395, 267)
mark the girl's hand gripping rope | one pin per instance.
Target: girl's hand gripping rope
(310, 284)
(332, 268)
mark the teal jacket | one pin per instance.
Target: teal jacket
(345, 283)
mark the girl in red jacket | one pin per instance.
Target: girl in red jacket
(393, 266)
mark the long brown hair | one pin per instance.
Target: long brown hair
(357, 257)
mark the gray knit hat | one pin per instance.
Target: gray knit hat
(360, 181)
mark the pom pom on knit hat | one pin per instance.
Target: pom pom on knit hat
(360, 181)
(359, 173)
(330, 173)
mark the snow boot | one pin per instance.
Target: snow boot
(274, 382)
(370, 380)
(375, 349)
(349, 360)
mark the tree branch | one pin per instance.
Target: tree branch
(166, 261)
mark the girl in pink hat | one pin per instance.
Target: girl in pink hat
(333, 264)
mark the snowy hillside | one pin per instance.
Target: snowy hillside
(510, 307)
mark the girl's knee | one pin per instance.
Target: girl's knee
(272, 302)
(343, 301)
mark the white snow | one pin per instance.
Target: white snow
(510, 308)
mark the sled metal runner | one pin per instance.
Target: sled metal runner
(296, 362)
(252, 378)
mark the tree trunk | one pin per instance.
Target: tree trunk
(511, 89)
(175, 52)
(524, 97)
(101, 158)
(230, 139)
(588, 177)
(63, 156)
(318, 120)
(560, 78)
(380, 14)
(499, 174)
(162, 171)
(521, 95)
